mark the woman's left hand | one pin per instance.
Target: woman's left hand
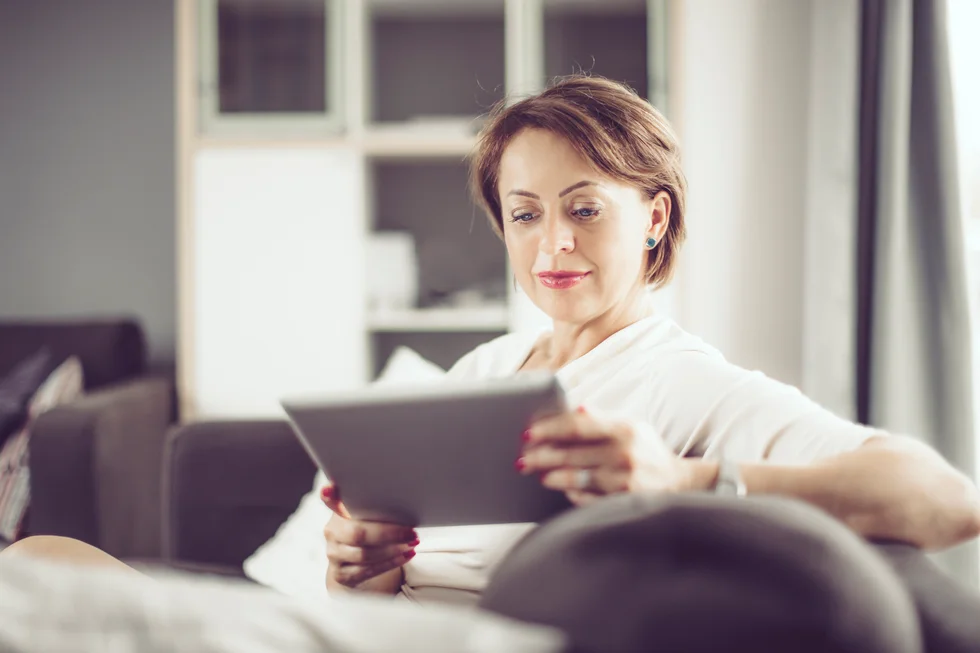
(588, 457)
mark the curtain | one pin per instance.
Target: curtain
(889, 339)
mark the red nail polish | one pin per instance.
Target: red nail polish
(526, 435)
(409, 555)
(414, 543)
(326, 492)
(519, 464)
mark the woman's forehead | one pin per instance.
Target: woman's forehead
(540, 158)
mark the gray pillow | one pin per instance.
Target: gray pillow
(699, 573)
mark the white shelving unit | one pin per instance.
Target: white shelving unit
(438, 320)
(405, 84)
(397, 142)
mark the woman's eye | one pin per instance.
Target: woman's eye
(585, 213)
(522, 217)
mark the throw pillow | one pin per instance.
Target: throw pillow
(17, 388)
(63, 385)
(294, 561)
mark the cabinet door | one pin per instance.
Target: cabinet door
(278, 278)
(624, 40)
(270, 66)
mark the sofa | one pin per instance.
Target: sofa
(228, 486)
(96, 463)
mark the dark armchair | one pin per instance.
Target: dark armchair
(95, 463)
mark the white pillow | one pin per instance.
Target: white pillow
(294, 561)
(46, 606)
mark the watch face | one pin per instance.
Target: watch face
(729, 480)
(726, 487)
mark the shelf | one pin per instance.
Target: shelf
(411, 142)
(475, 318)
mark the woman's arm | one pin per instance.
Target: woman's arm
(891, 487)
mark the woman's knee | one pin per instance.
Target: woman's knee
(43, 546)
(63, 549)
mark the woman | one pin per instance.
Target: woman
(583, 183)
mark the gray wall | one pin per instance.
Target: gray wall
(87, 189)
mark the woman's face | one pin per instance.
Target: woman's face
(575, 238)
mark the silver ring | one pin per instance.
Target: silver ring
(583, 478)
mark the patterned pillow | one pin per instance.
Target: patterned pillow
(17, 388)
(63, 385)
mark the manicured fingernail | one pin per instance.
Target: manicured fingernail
(409, 555)
(326, 492)
(526, 435)
(414, 543)
(519, 464)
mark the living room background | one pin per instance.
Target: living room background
(87, 164)
(70, 246)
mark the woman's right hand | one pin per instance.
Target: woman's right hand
(363, 555)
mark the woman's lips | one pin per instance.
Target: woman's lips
(561, 280)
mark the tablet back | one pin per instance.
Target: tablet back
(438, 455)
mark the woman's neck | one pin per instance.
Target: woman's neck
(569, 341)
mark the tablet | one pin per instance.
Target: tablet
(438, 455)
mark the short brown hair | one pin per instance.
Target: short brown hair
(623, 135)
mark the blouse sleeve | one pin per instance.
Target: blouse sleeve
(705, 406)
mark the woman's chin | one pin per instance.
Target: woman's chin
(564, 308)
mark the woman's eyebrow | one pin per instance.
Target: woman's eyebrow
(527, 193)
(580, 184)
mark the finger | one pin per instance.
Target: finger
(339, 553)
(580, 498)
(354, 575)
(546, 457)
(331, 497)
(362, 533)
(601, 480)
(570, 426)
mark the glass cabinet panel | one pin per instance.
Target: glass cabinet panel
(269, 62)
(434, 61)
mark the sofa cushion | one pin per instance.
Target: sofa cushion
(110, 351)
(17, 388)
(63, 385)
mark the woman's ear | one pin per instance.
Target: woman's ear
(659, 218)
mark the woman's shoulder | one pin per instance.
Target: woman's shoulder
(498, 357)
(661, 336)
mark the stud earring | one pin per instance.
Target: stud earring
(651, 242)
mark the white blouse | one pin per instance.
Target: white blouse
(651, 371)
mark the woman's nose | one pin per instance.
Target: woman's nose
(557, 238)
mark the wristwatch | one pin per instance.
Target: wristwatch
(729, 482)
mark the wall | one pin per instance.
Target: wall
(87, 162)
(742, 113)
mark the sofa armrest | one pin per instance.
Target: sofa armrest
(228, 486)
(96, 465)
